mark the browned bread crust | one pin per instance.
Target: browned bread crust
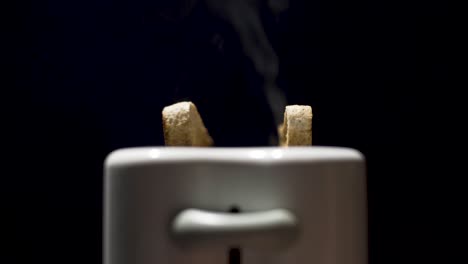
(297, 127)
(183, 126)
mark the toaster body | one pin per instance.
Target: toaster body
(269, 205)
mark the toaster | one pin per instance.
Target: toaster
(235, 205)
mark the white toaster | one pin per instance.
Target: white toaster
(180, 205)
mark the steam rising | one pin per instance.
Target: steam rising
(244, 16)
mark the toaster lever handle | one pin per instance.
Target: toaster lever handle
(271, 230)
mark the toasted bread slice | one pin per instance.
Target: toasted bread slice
(297, 127)
(183, 126)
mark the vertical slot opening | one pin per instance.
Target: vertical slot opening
(235, 256)
(234, 253)
(234, 209)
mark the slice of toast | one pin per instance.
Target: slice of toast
(297, 127)
(183, 126)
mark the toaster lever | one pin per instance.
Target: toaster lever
(268, 230)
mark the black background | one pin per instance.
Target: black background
(91, 76)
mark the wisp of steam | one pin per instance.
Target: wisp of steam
(244, 17)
